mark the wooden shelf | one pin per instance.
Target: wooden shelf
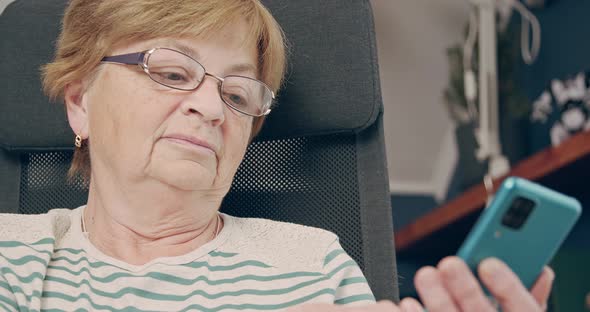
(536, 167)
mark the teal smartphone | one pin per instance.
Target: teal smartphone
(523, 226)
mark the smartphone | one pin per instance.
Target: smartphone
(523, 226)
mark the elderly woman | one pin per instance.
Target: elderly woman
(163, 97)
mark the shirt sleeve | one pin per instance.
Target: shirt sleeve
(351, 286)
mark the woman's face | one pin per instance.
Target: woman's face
(141, 132)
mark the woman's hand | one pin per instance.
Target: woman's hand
(452, 287)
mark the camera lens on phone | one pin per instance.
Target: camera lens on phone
(518, 213)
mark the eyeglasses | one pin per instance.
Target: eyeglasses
(179, 71)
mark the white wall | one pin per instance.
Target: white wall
(412, 36)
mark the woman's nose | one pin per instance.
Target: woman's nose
(206, 102)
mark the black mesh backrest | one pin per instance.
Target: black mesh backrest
(319, 161)
(293, 180)
(44, 184)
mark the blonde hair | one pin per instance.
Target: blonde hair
(92, 27)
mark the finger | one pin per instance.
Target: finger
(506, 286)
(410, 305)
(463, 286)
(382, 306)
(542, 287)
(432, 291)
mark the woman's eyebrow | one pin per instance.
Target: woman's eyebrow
(242, 68)
(179, 46)
(185, 49)
(236, 68)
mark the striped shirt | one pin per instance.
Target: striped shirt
(48, 264)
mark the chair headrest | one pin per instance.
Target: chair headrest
(332, 85)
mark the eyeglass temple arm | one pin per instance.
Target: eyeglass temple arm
(130, 59)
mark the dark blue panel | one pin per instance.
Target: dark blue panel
(565, 48)
(407, 208)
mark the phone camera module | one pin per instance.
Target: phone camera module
(518, 213)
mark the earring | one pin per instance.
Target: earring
(78, 141)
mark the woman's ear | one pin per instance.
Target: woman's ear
(77, 108)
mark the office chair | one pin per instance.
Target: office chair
(319, 160)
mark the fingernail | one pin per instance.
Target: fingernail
(425, 277)
(551, 274)
(491, 267)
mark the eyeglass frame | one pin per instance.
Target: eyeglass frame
(142, 58)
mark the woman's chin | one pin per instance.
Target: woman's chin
(187, 177)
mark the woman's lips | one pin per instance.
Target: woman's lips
(190, 141)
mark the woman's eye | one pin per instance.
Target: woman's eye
(236, 97)
(170, 76)
(174, 77)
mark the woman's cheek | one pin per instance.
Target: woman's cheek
(235, 145)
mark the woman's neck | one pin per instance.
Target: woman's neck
(139, 225)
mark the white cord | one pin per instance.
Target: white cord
(529, 52)
(469, 80)
(469, 44)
